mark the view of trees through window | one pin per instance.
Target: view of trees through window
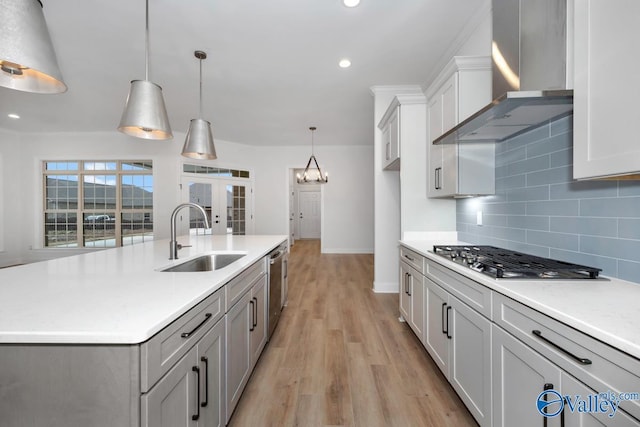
(97, 204)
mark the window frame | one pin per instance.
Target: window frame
(81, 172)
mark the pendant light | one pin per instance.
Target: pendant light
(145, 115)
(199, 141)
(27, 59)
(312, 175)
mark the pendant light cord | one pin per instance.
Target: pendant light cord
(200, 87)
(146, 42)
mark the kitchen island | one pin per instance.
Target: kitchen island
(108, 338)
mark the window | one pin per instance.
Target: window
(97, 204)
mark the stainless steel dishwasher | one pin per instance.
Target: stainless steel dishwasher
(277, 280)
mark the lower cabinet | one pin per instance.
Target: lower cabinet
(458, 339)
(192, 392)
(412, 298)
(246, 337)
(519, 376)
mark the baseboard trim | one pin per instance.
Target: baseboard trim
(385, 287)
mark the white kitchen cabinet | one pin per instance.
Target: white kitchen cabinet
(573, 388)
(412, 298)
(593, 363)
(470, 359)
(519, 376)
(436, 340)
(398, 124)
(605, 97)
(259, 319)
(462, 88)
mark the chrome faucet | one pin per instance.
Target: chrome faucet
(174, 246)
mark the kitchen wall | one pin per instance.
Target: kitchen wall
(348, 198)
(538, 208)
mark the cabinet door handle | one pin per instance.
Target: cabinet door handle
(207, 316)
(547, 386)
(255, 317)
(437, 178)
(444, 330)
(197, 371)
(581, 360)
(409, 284)
(252, 309)
(448, 309)
(205, 359)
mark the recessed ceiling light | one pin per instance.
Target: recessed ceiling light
(344, 63)
(13, 116)
(351, 3)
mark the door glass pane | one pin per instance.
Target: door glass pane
(236, 211)
(200, 193)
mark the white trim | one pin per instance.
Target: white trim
(385, 287)
(364, 251)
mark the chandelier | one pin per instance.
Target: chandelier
(312, 175)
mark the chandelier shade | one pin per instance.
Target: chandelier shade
(27, 59)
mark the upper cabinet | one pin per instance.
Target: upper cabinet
(606, 92)
(461, 89)
(395, 129)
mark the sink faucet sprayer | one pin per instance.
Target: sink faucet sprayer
(173, 244)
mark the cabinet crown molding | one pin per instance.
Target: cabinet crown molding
(402, 99)
(458, 63)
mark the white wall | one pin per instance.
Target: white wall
(348, 199)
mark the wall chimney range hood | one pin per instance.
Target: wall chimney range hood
(529, 67)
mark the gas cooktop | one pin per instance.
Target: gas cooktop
(507, 264)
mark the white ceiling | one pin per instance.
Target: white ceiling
(271, 70)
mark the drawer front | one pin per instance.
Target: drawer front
(471, 293)
(412, 258)
(165, 348)
(598, 365)
(241, 284)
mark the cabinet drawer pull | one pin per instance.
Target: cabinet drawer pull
(197, 371)
(442, 314)
(255, 316)
(205, 359)
(581, 360)
(252, 327)
(409, 258)
(547, 386)
(448, 309)
(193, 331)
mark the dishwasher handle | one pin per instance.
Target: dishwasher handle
(275, 255)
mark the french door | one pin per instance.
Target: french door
(226, 202)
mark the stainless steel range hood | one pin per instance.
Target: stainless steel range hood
(529, 66)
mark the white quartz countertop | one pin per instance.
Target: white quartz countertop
(115, 296)
(607, 309)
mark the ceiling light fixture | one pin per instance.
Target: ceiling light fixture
(344, 63)
(351, 3)
(27, 59)
(145, 115)
(312, 175)
(199, 141)
(13, 116)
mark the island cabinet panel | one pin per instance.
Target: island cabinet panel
(165, 348)
(70, 385)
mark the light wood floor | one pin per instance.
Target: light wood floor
(340, 357)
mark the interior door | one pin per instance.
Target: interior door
(309, 209)
(226, 202)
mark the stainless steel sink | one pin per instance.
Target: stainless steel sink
(209, 262)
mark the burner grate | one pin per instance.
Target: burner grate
(503, 263)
